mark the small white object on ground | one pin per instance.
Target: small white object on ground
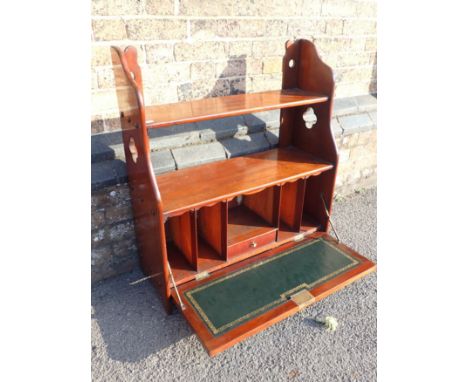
(330, 323)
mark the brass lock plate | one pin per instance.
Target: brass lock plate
(303, 298)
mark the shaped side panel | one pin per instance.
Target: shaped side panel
(312, 74)
(146, 200)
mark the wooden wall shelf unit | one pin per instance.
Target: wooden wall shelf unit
(239, 244)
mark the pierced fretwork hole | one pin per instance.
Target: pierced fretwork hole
(309, 117)
(291, 63)
(133, 149)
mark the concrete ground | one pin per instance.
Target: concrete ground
(134, 340)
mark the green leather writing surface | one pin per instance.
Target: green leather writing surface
(229, 301)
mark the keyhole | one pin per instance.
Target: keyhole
(309, 117)
(133, 149)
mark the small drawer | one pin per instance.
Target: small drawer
(251, 244)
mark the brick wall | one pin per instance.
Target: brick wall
(192, 49)
(195, 49)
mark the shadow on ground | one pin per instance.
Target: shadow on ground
(132, 320)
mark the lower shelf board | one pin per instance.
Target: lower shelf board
(208, 259)
(308, 226)
(242, 299)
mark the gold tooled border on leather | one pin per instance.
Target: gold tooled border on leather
(283, 297)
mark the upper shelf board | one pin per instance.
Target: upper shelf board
(228, 106)
(210, 183)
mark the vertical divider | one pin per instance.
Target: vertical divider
(212, 227)
(224, 229)
(184, 234)
(194, 238)
(276, 205)
(292, 204)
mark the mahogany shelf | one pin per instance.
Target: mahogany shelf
(214, 182)
(228, 106)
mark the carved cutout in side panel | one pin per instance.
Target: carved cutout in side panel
(309, 117)
(133, 149)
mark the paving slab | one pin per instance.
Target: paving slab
(108, 173)
(246, 144)
(174, 136)
(343, 106)
(162, 161)
(222, 128)
(366, 102)
(355, 123)
(194, 155)
(266, 119)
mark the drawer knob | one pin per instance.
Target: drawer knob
(253, 244)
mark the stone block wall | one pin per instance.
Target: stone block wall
(191, 49)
